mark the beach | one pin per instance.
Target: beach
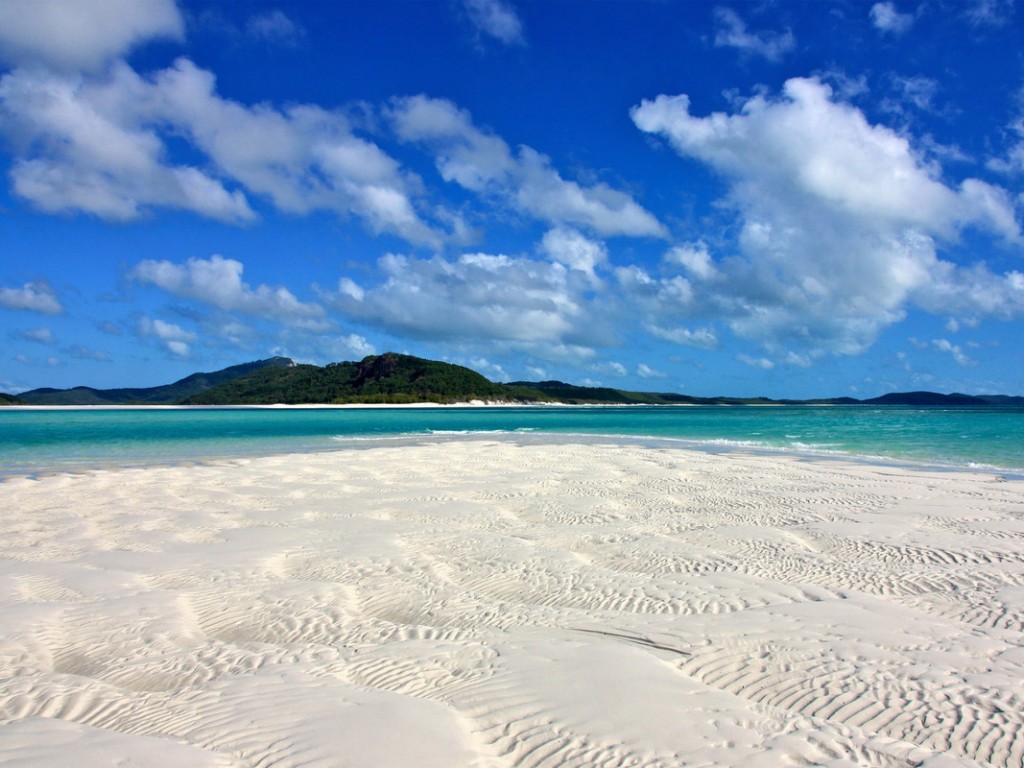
(501, 602)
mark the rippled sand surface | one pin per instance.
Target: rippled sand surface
(486, 603)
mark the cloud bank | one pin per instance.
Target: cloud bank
(840, 222)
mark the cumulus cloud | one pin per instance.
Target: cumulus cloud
(695, 259)
(304, 159)
(173, 337)
(218, 282)
(886, 18)
(99, 145)
(660, 297)
(496, 19)
(34, 297)
(72, 35)
(840, 220)
(570, 247)
(356, 345)
(479, 161)
(944, 345)
(732, 32)
(645, 371)
(972, 291)
(479, 298)
(79, 152)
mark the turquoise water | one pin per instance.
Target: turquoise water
(34, 441)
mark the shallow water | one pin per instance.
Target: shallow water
(35, 441)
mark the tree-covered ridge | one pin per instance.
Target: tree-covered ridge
(167, 394)
(395, 378)
(387, 378)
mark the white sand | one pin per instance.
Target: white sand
(490, 604)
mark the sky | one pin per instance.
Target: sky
(783, 199)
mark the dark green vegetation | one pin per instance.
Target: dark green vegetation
(387, 378)
(168, 394)
(394, 378)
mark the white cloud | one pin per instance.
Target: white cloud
(496, 19)
(51, 361)
(78, 152)
(732, 32)
(348, 287)
(482, 162)
(644, 371)
(218, 282)
(569, 247)
(762, 363)
(274, 27)
(660, 297)
(174, 338)
(840, 221)
(886, 18)
(355, 345)
(610, 368)
(944, 345)
(695, 259)
(34, 297)
(480, 298)
(1012, 161)
(967, 292)
(99, 145)
(82, 34)
(809, 147)
(989, 13)
(917, 91)
(485, 367)
(303, 158)
(704, 338)
(800, 360)
(41, 335)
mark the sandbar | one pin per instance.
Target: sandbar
(494, 603)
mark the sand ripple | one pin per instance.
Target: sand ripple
(488, 604)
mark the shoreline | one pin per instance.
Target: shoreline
(494, 601)
(712, 447)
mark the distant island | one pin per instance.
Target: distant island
(393, 378)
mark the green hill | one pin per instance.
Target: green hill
(387, 378)
(395, 378)
(167, 394)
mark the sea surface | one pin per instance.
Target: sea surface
(60, 440)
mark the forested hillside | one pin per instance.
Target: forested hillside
(387, 378)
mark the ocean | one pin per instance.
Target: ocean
(39, 441)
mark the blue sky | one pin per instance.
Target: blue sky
(782, 199)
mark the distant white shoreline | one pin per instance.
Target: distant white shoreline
(275, 406)
(389, 406)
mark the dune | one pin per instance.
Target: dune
(483, 602)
